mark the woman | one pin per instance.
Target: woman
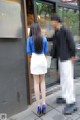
(37, 47)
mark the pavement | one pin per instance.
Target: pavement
(54, 111)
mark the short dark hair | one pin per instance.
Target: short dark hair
(56, 17)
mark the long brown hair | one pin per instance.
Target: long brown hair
(35, 32)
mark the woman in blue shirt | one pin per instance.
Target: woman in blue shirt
(37, 47)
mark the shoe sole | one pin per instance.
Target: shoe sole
(44, 112)
(61, 102)
(39, 115)
(71, 112)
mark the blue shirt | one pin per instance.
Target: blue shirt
(31, 49)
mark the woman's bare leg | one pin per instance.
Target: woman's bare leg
(36, 89)
(43, 88)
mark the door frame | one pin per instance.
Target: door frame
(28, 76)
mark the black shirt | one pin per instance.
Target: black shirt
(64, 44)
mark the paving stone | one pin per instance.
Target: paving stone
(78, 101)
(60, 108)
(30, 117)
(77, 90)
(69, 119)
(78, 98)
(21, 115)
(78, 118)
(34, 109)
(38, 119)
(53, 115)
(54, 111)
(51, 101)
(11, 119)
(74, 116)
(78, 112)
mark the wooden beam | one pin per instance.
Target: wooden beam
(29, 83)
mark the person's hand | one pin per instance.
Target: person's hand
(73, 58)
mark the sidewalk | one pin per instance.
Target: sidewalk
(54, 111)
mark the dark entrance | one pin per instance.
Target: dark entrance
(41, 11)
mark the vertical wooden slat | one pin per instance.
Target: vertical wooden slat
(29, 83)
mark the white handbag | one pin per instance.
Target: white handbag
(48, 61)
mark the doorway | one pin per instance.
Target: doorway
(42, 11)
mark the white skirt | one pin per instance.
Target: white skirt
(38, 64)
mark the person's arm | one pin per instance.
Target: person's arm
(71, 45)
(50, 39)
(45, 45)
(28, 47)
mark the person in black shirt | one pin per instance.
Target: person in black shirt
(65, 53)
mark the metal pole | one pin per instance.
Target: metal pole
(35, 10)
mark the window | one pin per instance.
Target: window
(44, 12)
(70, 18)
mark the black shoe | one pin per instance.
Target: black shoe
(60, 101)
(70, 108)
(39, 111)
(44, 109)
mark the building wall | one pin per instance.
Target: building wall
(13, 85)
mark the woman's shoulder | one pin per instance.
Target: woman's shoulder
(29, 38)
(44, 39)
